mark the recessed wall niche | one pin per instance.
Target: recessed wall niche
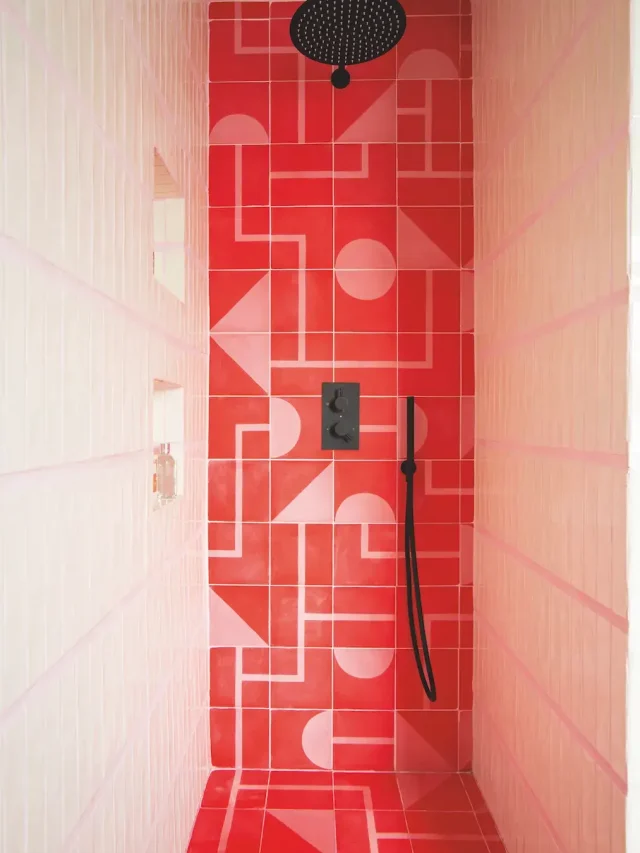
(169, 260)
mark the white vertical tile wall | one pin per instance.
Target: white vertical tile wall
(551, 126)
(103, 642)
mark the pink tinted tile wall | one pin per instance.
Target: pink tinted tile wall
(551, 120)
(633, 670)
(103, 709)
(342, 246)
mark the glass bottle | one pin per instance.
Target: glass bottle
(166, 474)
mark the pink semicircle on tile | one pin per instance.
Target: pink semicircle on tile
(365, 254)
(427, 64)
(238, 129)
(365, 508)
(421, 428)
(365, 284)
(285, 427)
(364, 663)
(317, 743)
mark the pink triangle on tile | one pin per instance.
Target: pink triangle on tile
(413, 751)
(416, 786)
(226, 628)
(375, 124)
(315, 826)
(416, 250)
(314, 503)
(250, 313)
(250, 352)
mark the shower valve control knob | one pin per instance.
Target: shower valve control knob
(340, 430)
(339, 403)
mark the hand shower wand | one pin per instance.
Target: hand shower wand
(414, 596)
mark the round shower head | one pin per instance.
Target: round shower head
(347, 32)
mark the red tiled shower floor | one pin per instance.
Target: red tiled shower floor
(257, 811)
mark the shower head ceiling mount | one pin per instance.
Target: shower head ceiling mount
(347, 32)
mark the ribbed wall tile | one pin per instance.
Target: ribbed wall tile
(551, 119)
(103, 694)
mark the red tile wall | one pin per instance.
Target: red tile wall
(341, 234)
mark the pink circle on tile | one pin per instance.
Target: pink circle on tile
(365, 269)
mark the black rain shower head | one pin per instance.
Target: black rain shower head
(347, 32)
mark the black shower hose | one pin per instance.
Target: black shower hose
(414, 596)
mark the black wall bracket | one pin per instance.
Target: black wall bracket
(340, 415)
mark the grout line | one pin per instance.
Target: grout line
(460, 356)
(297, 205)
(333, 452)
(398, 419)
(297, 394)
(410, 16)
(388, 80)
(270, 498)
(218, 270)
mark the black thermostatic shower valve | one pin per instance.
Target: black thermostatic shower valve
(340, 415)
